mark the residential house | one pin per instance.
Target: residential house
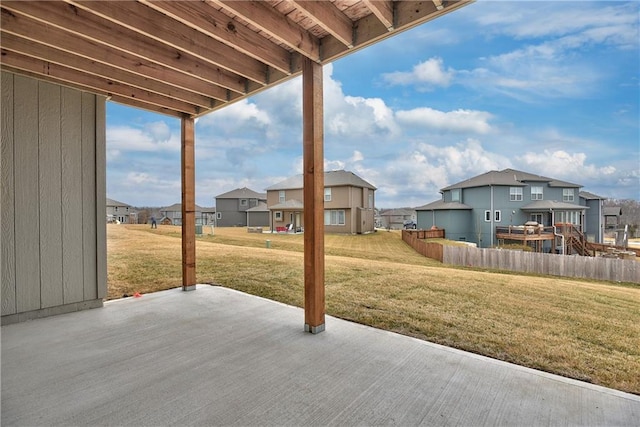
(395, 219)
(474, 209)
(232, 206)
(612, 216)
(172, 215)
(258, 216)
(348, 203)
(121, 213)
(595, 216)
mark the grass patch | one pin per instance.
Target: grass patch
(580, 329)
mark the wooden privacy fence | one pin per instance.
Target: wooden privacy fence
(599, 268)
(430, 250)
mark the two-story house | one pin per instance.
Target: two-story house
(397, 219)
(120, 212)
(471, 210)
(232, 207)
(348, 203)
(172, 215)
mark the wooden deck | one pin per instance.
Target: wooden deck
(525, 233)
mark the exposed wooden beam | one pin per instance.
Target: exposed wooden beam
(47, 35)
(149, 22)
(47, 53)
(265, 18)
(383, 10)
(438, 4)
(217, 25)
(87, 25)
(313, 180)
(188, 204)
(95, 83)
(327, 16)
(370, 29)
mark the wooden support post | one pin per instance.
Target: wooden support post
(313, 178)
(188, 204)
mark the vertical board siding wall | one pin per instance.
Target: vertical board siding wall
(53, 199)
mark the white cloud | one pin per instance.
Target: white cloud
(457, 121)
(582, 22)
(154, 137)
(159, 131)
(561, 164)
(425, 74)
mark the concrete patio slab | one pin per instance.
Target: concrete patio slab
(221, 357)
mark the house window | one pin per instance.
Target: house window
(536, 192)
(278, 215)
(371, 200)
(219, 215)
(243, 202)
(455, 195)
(567, 194)
(568, 217)
(536, 217)
(487, 216)
(515, 194)
(327, 194)
(497, 215)
(281, 196)
(334, 217)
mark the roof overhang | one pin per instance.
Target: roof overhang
(188, 58)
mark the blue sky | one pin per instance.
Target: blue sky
(550, 88)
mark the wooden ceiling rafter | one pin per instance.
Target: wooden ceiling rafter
(192, 57)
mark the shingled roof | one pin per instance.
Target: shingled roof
(331, 179)
(508, 177)
(242, 193)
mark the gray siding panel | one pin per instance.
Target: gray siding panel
(101, 195)
(50, 188)
(88, 196)
(52, 199)
(27, 221)
(72, 268)
(7, 203)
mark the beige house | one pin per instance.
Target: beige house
(348, 204)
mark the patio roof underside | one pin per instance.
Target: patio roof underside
(187, 58)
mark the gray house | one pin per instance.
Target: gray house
(396, 218)
(172, 215)
(232, 207)
(473, 210)
(120, 212)
(612, 216)
(258, 216)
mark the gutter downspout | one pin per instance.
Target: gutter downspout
(492, 231)
(555, 230)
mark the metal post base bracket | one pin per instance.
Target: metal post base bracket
(313, 329)
(189, 288)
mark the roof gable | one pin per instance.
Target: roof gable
(508, 177)
(331, 179)
(242, 193)
(111, 202)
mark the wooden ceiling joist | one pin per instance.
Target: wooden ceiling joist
(192, 57)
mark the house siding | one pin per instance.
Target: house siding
(231, 215)
(354, 201)
(53, 199)
(594, 227)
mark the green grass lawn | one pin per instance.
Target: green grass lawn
(581, 329)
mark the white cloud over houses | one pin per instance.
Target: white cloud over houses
(458, 121)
